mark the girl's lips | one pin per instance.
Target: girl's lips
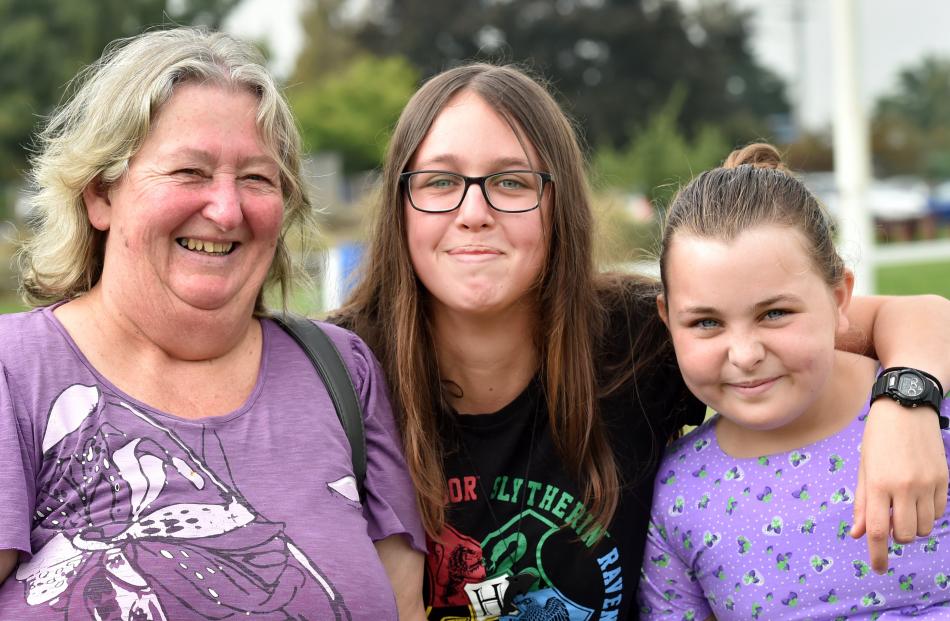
(474, 253)
(752, 388)
(474, 250)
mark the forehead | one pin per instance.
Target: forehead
(198, 109)
(469, 133)
(761, 260)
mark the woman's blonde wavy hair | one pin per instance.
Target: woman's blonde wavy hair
(93, 135)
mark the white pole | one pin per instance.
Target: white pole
(852, 157)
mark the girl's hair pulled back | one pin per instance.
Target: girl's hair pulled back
(753, 187)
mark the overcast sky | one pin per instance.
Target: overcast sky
(892, 35)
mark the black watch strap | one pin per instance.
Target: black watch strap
(886, 384)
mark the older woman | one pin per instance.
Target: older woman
(168, 452)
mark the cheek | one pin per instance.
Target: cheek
(266, 218)
(530, 237)
(697, 358)
(810, 349)
(423, 234)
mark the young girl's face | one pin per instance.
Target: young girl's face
(475, 259)
(753, 323)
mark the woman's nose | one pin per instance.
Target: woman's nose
(223, 206)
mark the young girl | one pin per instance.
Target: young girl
(752, 510)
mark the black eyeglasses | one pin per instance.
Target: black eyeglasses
(439, 191)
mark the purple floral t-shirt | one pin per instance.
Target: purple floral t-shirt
(124, 512)
(767, 538)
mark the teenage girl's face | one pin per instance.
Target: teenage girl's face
(753, 323)
(476, 260)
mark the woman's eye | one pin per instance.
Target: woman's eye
(776, 313)
(705, 324)
(259, 178)
(190, 172)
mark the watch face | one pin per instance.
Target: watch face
(910, 385)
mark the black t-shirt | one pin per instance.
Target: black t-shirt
(514, 513)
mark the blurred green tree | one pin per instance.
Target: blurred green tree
(346, 99)
(43, 44)
(611, 61)
(911, 125)
(660, 157)
(351, 111)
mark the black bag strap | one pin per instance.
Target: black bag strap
(329, 365)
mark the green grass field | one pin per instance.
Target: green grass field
(915, 278)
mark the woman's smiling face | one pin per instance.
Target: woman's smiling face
(475, 259)
(194, 222)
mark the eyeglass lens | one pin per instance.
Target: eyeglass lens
(507, 191)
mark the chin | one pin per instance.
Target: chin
(754, 421)
(206, 301)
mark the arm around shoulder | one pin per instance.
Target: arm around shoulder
(902, 478)
(404, 566)
(908, 331)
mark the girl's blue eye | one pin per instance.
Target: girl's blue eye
(776, 313)
(441, 183)
(510, 183)
(706, 324)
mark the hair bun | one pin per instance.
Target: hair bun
(758, 155)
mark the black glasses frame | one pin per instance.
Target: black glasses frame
(546, 178)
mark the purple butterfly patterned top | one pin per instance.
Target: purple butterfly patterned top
(767, 538)
(127, 513)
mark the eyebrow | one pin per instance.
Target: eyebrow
(206, 156)
(782, 298)
(450, 160)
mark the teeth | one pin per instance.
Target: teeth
(210, 247)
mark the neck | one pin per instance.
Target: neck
(491, 359)
(181, 333)
(190, 365)
(840, 399)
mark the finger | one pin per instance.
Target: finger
(878, 526)
(904, 519)
(858, 527)
(925, 516)
(940, 498)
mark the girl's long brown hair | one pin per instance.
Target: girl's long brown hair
(388, 306)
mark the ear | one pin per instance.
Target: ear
(842, 297)
(98, 204)
(662, 310)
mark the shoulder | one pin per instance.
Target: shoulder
(693, 446)
(29, 321)
(24, 334)
(685, 461)
(353, 351)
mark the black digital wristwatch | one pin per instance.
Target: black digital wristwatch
(911, 388)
